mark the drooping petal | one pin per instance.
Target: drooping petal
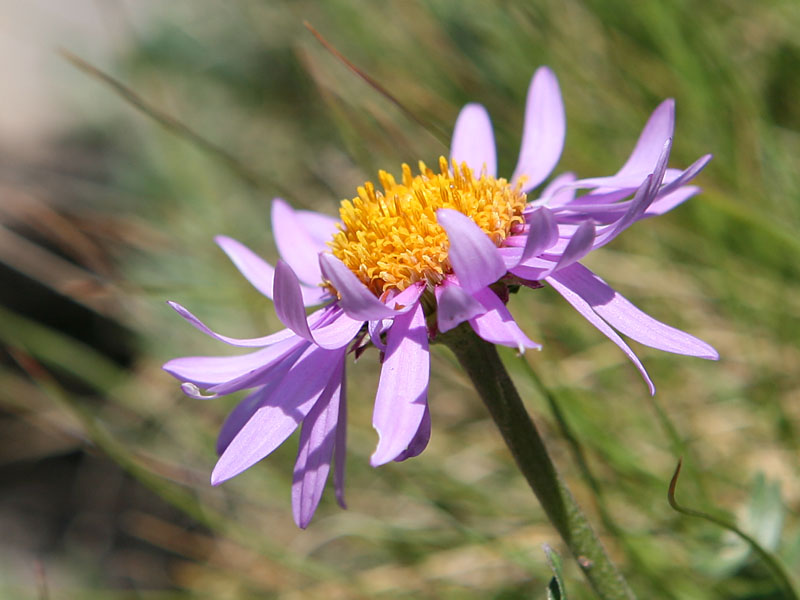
(473, 140)
(578, 246)
(315, 451)
(420, 440)
(266, 340)
(497, 325)
(254, 268)
(618, 312)
(472, 254)
(586, 311)
(340, 444)
(289, 307)
(403, 388)
(356, 300)
(259, 272)
(666, 203)
(542, 233)
(297, 248)
(454, 306)
(207, 371)
(543, 132)
(280, 414)
(240, 415)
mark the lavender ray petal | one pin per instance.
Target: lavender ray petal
(586, 311)
(319, 227)
(254, 268)
(497, 325)
(420, 440)
(473, 140)
(240, 415)
(356, 300)
(340, 445)
(618, 312)
(454, 306)
(296, 247)
(403, 387)
(542, 233)
(658, 129)
(315, 451)
(207, 371)
(543, 131)
(666, 203)
(578, 246)
(280, 414)
(557, 193)
(267, 340)
(472, 254)
(263, 372)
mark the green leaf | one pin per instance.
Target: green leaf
(555, 589)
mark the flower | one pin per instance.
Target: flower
(424, 255)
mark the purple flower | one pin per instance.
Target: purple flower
(429, 252)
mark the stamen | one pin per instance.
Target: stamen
(391, 239)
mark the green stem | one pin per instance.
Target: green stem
(490, 378)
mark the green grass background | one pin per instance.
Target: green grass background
(457, 522)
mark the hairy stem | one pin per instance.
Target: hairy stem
(490, 378)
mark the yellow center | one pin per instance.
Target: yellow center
(391, 239)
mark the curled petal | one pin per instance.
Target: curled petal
(290, 310)
(472, 254)
(267, 340)
(356, 300)
(280, 414)
(579, 245)
(315, 451)
(497, 325)
(403, 388)
(618, 312)
(294, 243)
(585, 309)
(542, 233)
(420, 439)
(454, 306)
(340, 444)
(543, 132)
(473, 140)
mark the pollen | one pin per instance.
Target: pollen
(390, 239)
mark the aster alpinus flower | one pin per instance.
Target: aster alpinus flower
(403, 265)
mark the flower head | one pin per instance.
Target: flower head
(418, 258)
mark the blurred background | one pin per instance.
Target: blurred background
(187, 118)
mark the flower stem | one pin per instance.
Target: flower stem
(493, 384)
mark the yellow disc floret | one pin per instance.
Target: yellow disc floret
(391, 239)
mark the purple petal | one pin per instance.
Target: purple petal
(497, 325)
(296, 247)
(259, 272)
(658, 129)
(246, 342)
(254, 268)
(315, 451)
(420, 440)
(246, 408)
(280, 414)
(618, 312)
(356, 300)
(579, 245)
(687, 175)
(666, 203)
(454, 306)
(543, 132)
(473, 140)
(288, 350)
(403, 388)
(583, 307)
(340, 444)
(320, 227)
(472, 254)
(542, 233)
(207, 371)
(641, 201)
(558, 192)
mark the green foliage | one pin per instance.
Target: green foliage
(457, 522)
